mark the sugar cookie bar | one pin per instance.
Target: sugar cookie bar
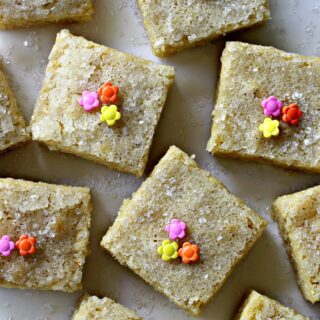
(58, 218)
(92, 308)
(13, 130)
(173, 26)
(261, 307)
(218, 223)
(298, 217)
(77, 66)
(261, 83)
(24, 13)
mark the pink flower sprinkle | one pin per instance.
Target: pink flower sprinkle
(272, 106)
(89, 100)
(176, 229)
(6, 246)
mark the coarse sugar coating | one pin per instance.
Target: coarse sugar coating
(77, 65)
(298, 217)
(178, 25)
(59, 218)
(24, 13)
(13, 130)
(218, 222)
(93, 308)
(260, 307)
(249, 75)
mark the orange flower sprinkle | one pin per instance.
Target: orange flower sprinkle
(189, 252)
(109, 93)
(26, 245)
(291, 114)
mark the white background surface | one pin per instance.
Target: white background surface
(295, 27)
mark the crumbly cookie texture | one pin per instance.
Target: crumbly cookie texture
(178, 25)
(59, 217)
(250, 74)
(24, 13)
(93, 308)
(218, 222)
(261, 307)
(298, 216)
(13, 130)
(77, 65)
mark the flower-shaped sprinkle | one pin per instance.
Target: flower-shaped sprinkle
(272, 106)
(89, 100)
(189, 252)
(110, 115)
(26, 245)
(168, 250)
(6, 246)
(176, 229)
(269, 128)
(291, 114)
(109, 93)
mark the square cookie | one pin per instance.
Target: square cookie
(173, 26)
(13, 130)
(77, 65)
(24, 13)
(59, 218)
(219, 223)
(93, 308)
(261, 307)
(298, 217)
(250, 75)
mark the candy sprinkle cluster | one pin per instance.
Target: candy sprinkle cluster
(26, 245)
(105, 98)
(274, 108)
(169, 249)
